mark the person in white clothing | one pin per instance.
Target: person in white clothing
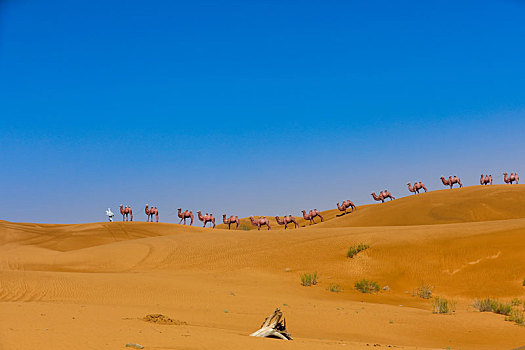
(110, 215)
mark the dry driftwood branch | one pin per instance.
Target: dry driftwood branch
(273, 327)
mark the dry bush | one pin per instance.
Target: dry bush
(366, 286)
(335, 288)
(492, 305)
(443, 306)
(516, 316)
(423, 291)
(309, 279)
(356, 249)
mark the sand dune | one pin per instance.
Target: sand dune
(88, 286)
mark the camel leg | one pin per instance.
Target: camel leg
(157, 217)
(268, 226)
(321, 218)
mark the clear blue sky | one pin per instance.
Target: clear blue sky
(251, 107)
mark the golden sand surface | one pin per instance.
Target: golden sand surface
(103, 285)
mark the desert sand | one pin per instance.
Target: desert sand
(89, 286)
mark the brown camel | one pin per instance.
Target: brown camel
(261, 221)
(378, 198)
(349, 204)
(186, 215)
(148, 213)
(206, 218)
(451, 181)
(515, 177)
(510, 179)
(154, 211)
(346, 204)
(232, 219)
(485, 180)
(287, 219)
(386, 194)
(417, 187)
(314, 213)
(125, 211)
(311, 215)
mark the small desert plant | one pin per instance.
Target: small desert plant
(493, 305)
(523, 284)
(308, 279)
(516, 316)
(356, 249)
(423, 291)
(366, 286)
(335, 288)
(245, 228)
(443, 306)
(515, 302)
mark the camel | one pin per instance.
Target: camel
(342, 208)
(261, 221)
(314, 213)
(311, 215)
(451, 181)
(287, 219)
(186, 215)
(232, 219)
(206, 218)
(148, 213)
(485, 180)
(349, 204)
(510, 179)
(154, 211)
(378, 198)
(346, 204)
(386, 194)
(515, 177)
(417, 187)
(125, 211)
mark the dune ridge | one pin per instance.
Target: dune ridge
(90, 285)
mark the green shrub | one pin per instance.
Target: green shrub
(309, 279)
(523, 284)
(356, 249)
(245, 228)
(516, 316)
(335, 288)
(366, 286)
(443, 306)
(515, 302)
(423, 291)
(493, 305)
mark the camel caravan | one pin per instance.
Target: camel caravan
(127, 213)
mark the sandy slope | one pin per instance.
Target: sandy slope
(87, 286)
